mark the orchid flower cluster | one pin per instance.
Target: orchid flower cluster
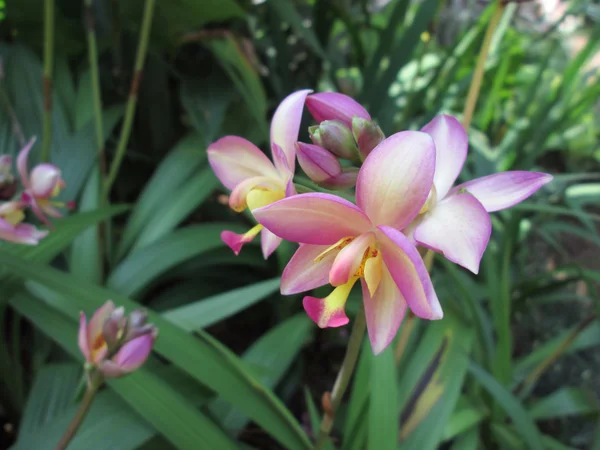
(40, 187)
(405, 200)
(114, 344)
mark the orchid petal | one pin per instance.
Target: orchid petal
(95, 337)
(304, 272)
(280, 160)
(269, 242)
(134, 353)
(349, 259)
(329, 311)
(234, 159)
(458, 227)
(83, 337)
(451, 144)
(395, 179)
(346, 179)
(313, 218)
(384, 311)
(44, 178)
(335, 106)
(285, 126)
(236, 241)
(22, 233)
(318, 163)
(237, 199)
(409, 273)
(505, 189)
(22, 163)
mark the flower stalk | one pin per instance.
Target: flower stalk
(94, 382)
(332, 403)
(133, 94)
(47, 81)
(475, 86)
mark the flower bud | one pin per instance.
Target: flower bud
(113, 328)
(137, 326)
(318, 164)
(345, 179)
(336, 137)
(333, 106)
(129, 358)
(367, 134)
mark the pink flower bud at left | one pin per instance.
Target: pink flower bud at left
(367, 134)
(334, 106)
(114, 327)
(129, 358)
(113, 343)
(335, 136)
(318, 164)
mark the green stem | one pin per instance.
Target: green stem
(480, 67)
(47, 82)
(95, 382)
(343, 379)
(133, 94)
(97, 99)
(98, 120)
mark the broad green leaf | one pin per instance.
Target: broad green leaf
(188, 198)
(183, 161)
(86, 260)
(138, 270)
(515, 410)
(208, 311)
(272, 355)
(51, 406)
(445, 376)
(201, 356)
(171, 414)
(384, 413)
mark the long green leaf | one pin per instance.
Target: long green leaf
(138, 270)
(211, 310)
(515, 410)
(203, 357)
(154, 400)
(384, 414)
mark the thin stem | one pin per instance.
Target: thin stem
(97, 99)
(93, 385)
(332, 403)
(98, 120)
(479, 68)
(133, 94)
(47, 83)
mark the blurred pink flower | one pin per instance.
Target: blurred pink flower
(12, 228)
(254, 180)
(43, 183)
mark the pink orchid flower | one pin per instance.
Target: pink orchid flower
(455, 220)
(254, 180)
(341, 243)
(41, 185)
(12, 228)
(99, 341)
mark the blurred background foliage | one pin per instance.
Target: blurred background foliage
(514, 364)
